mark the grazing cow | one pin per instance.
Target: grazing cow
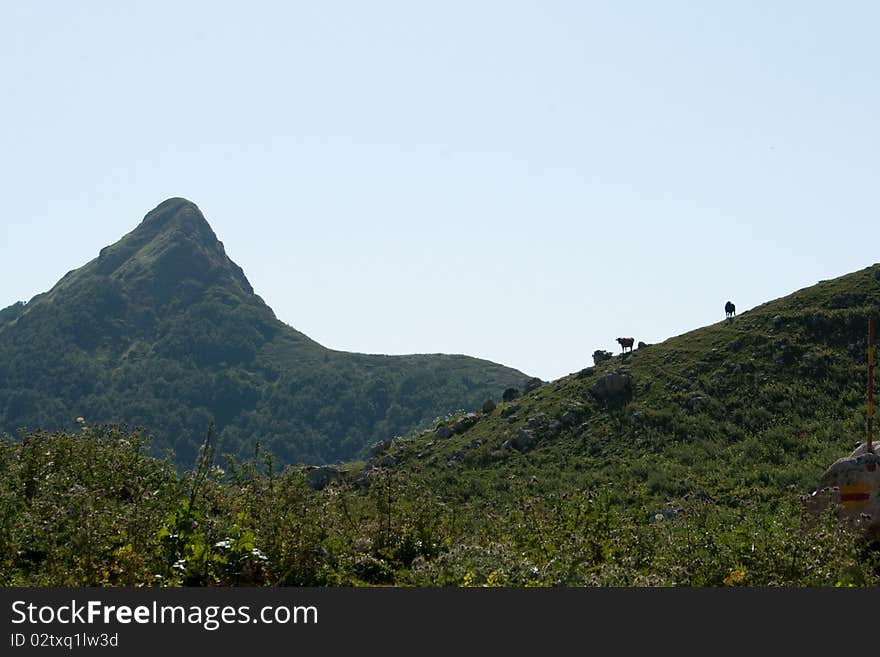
(729, 309)
(625, 343)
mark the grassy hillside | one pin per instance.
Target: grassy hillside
(756, 406)
(164, 332)
(680, 464)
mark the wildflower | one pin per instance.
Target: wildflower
(736, 576)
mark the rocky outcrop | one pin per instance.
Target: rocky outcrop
(537, 421)
(464, 423)
(509, 410)
(568, 418)
(524, 440)
(532, 384)
(319, 478)
(379, 447)
(614, 387)
(851, 485)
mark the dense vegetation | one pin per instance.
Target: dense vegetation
(163, 331)
(90, 509)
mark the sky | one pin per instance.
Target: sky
(518, 181)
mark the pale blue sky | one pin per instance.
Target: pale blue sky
(518, 181)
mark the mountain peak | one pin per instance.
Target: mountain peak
(172, 245)
(179, 213)
(172, 254)
(173, 204)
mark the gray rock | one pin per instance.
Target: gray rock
(443, 432)
(532, 384)
(465, 423)
(568, 418)
(858, 477)
(457, 456)
(536, 421)
(862, 448)
(852, 469)
(614, 386)
(388, 461)
(554, 426)
(509, 410)
(488, 406)
(379, 447)
(524, 440)
(319, 478)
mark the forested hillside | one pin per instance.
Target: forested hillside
(163, 331)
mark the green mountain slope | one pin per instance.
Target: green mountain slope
(682, 463)
(162, 330)
(764, 401)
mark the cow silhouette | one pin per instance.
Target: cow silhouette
(625, 343)
(729, 309)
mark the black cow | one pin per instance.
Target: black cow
(729, 309)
